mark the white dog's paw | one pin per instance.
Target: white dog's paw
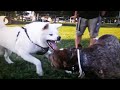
(10, 62)
(40, 73)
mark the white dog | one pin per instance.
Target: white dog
(33, 37)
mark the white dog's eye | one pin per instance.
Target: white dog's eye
(50, 34)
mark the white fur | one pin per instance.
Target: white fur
(61, 49)
(22, 46)
(70, 72)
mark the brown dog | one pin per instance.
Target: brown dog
(63, 59)
(101, 60)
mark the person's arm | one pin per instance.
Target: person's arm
(75, 14)
(103, 13)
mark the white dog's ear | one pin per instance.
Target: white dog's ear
(46, 26)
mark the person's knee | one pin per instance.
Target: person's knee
(78, 33)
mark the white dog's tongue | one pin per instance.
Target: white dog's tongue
(53, 45)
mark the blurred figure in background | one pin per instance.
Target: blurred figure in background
(90, 19)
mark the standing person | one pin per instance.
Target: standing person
(90, 19)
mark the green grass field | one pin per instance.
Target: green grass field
(68, 35)
(21, 69)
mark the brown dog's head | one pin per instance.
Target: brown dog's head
(64, 59)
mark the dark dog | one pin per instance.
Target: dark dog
(101, 60)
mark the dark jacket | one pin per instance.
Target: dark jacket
(88, 14)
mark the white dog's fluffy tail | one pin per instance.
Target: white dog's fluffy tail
(2, 23)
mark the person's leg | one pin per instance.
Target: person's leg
(93, 27)
(92, 41)
(77, 40)
(80, 28)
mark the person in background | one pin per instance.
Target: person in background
(90, 19)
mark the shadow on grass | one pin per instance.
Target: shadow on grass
(17, 22)
(71, 43)
(109, 25)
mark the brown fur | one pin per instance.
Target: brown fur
(101, 60)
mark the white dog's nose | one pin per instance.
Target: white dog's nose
(58, 38)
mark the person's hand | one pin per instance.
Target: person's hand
(75, 15)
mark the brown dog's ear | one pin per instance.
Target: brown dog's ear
(46, 26)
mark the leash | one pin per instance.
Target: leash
(78, 51)
(44, 50)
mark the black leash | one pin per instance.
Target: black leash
(43, 51)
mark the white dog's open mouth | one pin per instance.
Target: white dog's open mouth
(52, 44)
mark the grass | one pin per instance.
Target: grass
(24, 70)
(68, 35)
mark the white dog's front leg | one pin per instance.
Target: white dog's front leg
(31, 59)
(7, 54)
